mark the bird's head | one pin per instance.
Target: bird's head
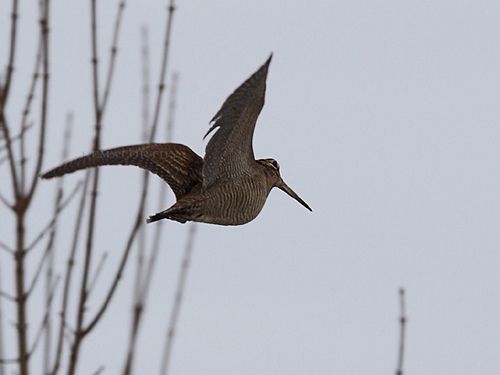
(272, 169)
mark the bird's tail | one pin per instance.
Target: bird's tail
(182, 211)
(167, 215)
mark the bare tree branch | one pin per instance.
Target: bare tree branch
(44, 33)
(402, 332)
(68, 277)
(142, 284)
(51, 224)
(98, 271)
(118, 275)
(163, 70)
(174, 315)
(99, 108)
(7, 248)
(2, 353)
(23, 201)
(45, 319)
(49, 274)
(146, 82)
(138, 219)
(8, 361)
(10, 154)
(37, 336)
(113, 53)
(163, 190)
(12, 53)
(16, 137)
(6, 202)
(4, 95)
(26, 111)
(172, 106)
(36, 276)
(7, 296)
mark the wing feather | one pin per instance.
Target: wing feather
(178, 165)
(229, 152)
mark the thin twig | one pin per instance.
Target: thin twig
(180, 290)
(44, 33)
(402, 331)
(144, 277)
(163, 70)
(146, 81)
(49, 275)
(50, 225)
(113, 53)
(12, 53)
(46, 317)
(26, 111)
(2, 354)
(95, 70)
(10, 154)
(172, 107)
(4, 95)
(18, 136)
(138, 302)
(138, 219)
(8, 361)
(118, 275)
(68, 276)
(36, 276)
(23, 161)
(7, 248)
(23, 201)
(152, 259)
(98, 271)
(99, 108)
(7, 296)
(37, 336)
(6, 202)
(163, 191)
(144, 136)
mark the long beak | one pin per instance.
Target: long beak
(281, 185)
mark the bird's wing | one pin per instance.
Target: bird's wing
(229, 152)
(176, 164)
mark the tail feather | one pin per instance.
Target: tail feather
(181, 211)
(166, 215)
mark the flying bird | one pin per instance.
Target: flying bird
(226, 187)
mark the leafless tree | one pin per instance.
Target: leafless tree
(59, 330)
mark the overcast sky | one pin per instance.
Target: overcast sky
(385, 118)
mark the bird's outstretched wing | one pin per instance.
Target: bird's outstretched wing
(229, 152)
(176, 164)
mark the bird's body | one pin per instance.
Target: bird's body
(224, 204)
(228, 186)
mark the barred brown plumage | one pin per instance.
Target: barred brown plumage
(228, 186)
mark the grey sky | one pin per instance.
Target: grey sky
(384, 117)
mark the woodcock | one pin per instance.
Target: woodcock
(228, 186)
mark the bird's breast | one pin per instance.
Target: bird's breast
(237, 202)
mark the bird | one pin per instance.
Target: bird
(226, 187)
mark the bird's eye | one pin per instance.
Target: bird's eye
(275, 165)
